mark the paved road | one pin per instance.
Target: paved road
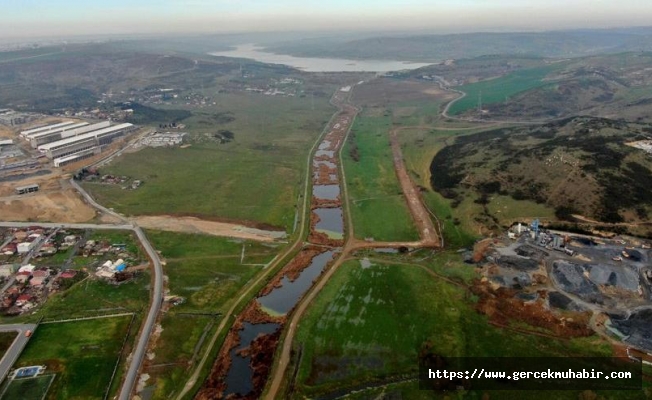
(16, 348)
(157, 298)
(93, 203)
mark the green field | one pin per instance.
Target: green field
(369, 323)
(273, 136)
(82, 354)
(28, 388)
(500, 89)
(377, 204)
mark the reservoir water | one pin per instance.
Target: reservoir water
(257, 53)
(282, 299)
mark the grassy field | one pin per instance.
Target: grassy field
(377, 204)
(500, 89)
(94, 297)
(208, 272)
(369, 323)
(83, 354)
(231, 181)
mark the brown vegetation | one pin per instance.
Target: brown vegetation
(501, 306)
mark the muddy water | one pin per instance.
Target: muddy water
(284, 298)
(326, 192)
(330, 219)
(240, 377)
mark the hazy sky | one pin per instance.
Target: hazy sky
(23, 18)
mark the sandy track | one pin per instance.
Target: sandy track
(196, 225)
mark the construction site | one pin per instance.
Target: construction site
(570, 284)
(37, 156)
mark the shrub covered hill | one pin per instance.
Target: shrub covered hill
(580, 165)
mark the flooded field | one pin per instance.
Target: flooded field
(246, 357)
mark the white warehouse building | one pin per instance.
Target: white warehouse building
(69, 131)
(84, 145)
(45, 128)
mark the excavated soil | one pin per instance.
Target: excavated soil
(59, 206)
(196, 225)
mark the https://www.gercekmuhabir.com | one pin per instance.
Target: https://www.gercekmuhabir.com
(522, 373)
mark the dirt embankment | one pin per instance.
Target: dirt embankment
(502, 308)
(325, 203)
(196, 225)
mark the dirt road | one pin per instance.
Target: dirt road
(196, 225)
(420, 214)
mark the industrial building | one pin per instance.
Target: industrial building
(85, 145)
(45, 128)
(27, 189)
(68, 131)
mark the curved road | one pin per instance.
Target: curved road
(138, 354)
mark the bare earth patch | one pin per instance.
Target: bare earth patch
(59, 206)
(196, 225)
(6, 133)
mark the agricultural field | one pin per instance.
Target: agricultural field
(501, 89)
(208, 272)
(272, 137)
(377, 204)
(372, 318)
(83, 354)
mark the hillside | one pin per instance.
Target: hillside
(580, 165)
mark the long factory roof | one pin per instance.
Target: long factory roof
(74, 139)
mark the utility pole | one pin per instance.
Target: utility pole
(480, 102)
